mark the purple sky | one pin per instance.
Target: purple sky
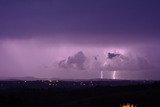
(35, 35)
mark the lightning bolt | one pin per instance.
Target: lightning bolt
(101, 74)
(114, 74)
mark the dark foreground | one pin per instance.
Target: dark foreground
(79, 93)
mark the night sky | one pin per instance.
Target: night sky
(73, 39)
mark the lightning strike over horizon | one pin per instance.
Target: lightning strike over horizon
(114, 75)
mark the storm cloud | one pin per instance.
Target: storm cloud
(131, 62)
(42, 59)
(77, 61)
(111, 62)
(81, 22)
(75, 38)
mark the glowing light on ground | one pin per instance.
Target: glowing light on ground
(128, 105)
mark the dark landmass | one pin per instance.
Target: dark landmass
(79, 93)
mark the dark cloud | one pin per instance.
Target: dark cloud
(83, 21)
(112, 55)
(36, 29)
(96, 57)
(62, 63)
(77, 61)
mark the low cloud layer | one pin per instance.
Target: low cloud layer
(42, 59)
(76, 38)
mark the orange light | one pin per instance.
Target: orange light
(128, 105)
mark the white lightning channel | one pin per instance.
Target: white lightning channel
(114, 74)
(101, 74)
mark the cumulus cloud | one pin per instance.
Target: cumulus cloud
(118, 61)
(113, 61)
(77, 61)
